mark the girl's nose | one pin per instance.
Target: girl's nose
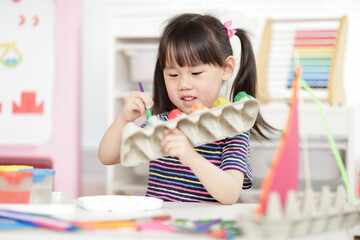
(185, 83)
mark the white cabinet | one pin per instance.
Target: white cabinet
(132, 51)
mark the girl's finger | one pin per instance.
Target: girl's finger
(171, 147)
(167, 139)
(147, 100)
(132, 108)
(144, 97)
(166, 132)
(140, 107)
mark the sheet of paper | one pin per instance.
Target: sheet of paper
(26, 71)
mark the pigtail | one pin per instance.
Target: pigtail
(246, 77)
(246, 80)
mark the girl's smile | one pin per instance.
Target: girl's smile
(189, 101)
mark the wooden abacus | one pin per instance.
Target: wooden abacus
(318, 45)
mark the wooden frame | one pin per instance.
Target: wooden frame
(335, 95)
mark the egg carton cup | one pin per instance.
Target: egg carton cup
(299, 218)
(140, 145)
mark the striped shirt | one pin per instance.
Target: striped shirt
(172, 181)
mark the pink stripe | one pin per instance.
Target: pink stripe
(215, 161)
(240, 141)
(179, 188)
(176, 169)
(175, 164)
(178, 164)
(234, 166)
(226, 151)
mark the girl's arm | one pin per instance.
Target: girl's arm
(224, 186)
(134, 107)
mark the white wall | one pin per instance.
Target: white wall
(95, 38)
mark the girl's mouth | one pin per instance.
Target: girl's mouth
(188, 101)
(188, 98)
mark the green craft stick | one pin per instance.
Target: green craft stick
(331, 140)
(148, 113)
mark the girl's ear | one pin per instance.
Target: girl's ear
(229, 68)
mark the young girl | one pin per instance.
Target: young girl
(195, 59)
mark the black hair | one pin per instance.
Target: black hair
(193, 39)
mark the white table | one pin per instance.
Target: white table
(191, 211)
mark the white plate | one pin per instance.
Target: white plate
(119, 203)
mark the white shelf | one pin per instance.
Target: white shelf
(141, 46)
(132, 52)
(118, 94)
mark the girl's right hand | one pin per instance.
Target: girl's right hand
(135, 106)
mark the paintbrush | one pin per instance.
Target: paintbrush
(147, 111)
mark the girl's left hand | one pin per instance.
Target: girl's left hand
(176, 144)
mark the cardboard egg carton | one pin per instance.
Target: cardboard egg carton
(311, 215)
(140, 145)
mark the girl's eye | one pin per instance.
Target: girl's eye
(173, 75)
(196, 73)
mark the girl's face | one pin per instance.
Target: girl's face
(189, 85)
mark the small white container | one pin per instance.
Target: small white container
(142, 64)
(42, 187)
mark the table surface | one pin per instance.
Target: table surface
(190, 211)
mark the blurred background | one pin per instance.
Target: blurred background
(106, 46)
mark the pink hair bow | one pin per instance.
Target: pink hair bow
(230, 32)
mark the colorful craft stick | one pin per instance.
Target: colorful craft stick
(39, 220)
(155, 225)
(205, 227)
(133, 223)
(108, 224)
